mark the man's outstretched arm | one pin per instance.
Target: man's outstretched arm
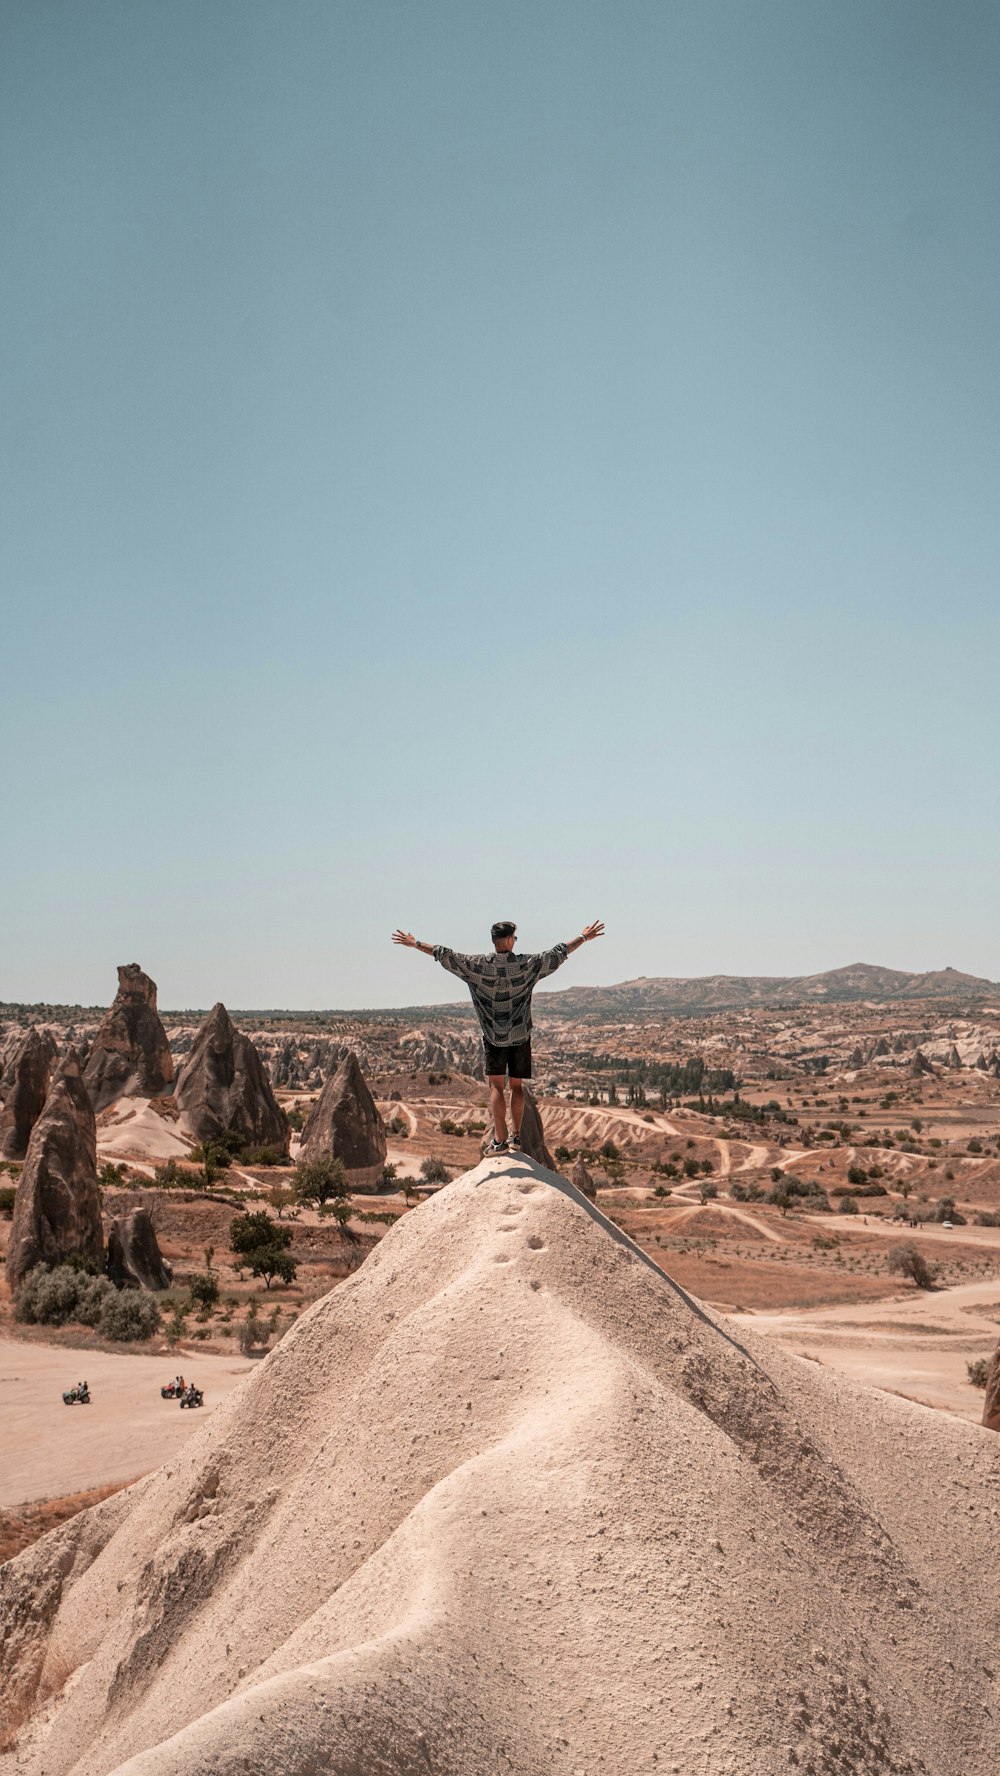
(411, 943)
(587, 935)
(463, 966)
(550, 960)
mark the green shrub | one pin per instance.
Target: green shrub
(848, 1206)
(7, 1195)
(907, 1260)
(129, 1315)
(169, 1176)
(92, 1296)
(204, 1289)
(265, 1156)
(111, 1174)
(48, 1297)
(610, 1151)
(979, 1372)
(434, 1171)
(68, 1292)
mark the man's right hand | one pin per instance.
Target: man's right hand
(405, 937)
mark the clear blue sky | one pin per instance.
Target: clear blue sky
(528, 460)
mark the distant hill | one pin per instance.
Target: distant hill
(652, 993)
(737, 992)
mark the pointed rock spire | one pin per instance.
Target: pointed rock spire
(222, 1085)
(345, 1121)
(134, 1257)
(130, 1056)
(24, 1087)
(57, 1207)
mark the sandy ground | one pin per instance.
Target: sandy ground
(48, 1449)
(917, 1346)
(508, 1499)
(129, 1128)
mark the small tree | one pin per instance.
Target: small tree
(204, 1289)
(708, 1190)
(251, 1332)
(320, 1180)
(781, 1197)
(281, 1199)
(270, 1262)
(907, 1260)
(434, 1171)
(247, 1233)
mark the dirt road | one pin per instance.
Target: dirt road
(915, 1345)
(48, 1449)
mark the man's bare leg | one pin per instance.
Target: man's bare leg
(516, 1104)
(498, 1104)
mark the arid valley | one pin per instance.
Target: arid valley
(815, 1165)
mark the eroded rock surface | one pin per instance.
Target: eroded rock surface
(345, 1121)
(130, 1055)
(533, 1134)
(222, 1085)
(24, 1087)
(583, 1180)
(57, 1208)
(134, 1257)
(991, 1404)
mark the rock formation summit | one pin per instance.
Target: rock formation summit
(222, 1085)
(345, 1121)
(134, 1257)
(130, 1056)
(24, 1087)
(583, 1181)
(532, 1133)
(57, 1206)
(508, 1500)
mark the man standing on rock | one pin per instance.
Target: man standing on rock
(501, 986)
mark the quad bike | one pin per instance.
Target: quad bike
(192, 1396)
(78, 1395)
(173, 1389)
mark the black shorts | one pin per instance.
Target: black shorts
(516, 1060)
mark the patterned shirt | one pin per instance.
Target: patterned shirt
(501, 988)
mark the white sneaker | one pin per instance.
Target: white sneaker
(496, 1146)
